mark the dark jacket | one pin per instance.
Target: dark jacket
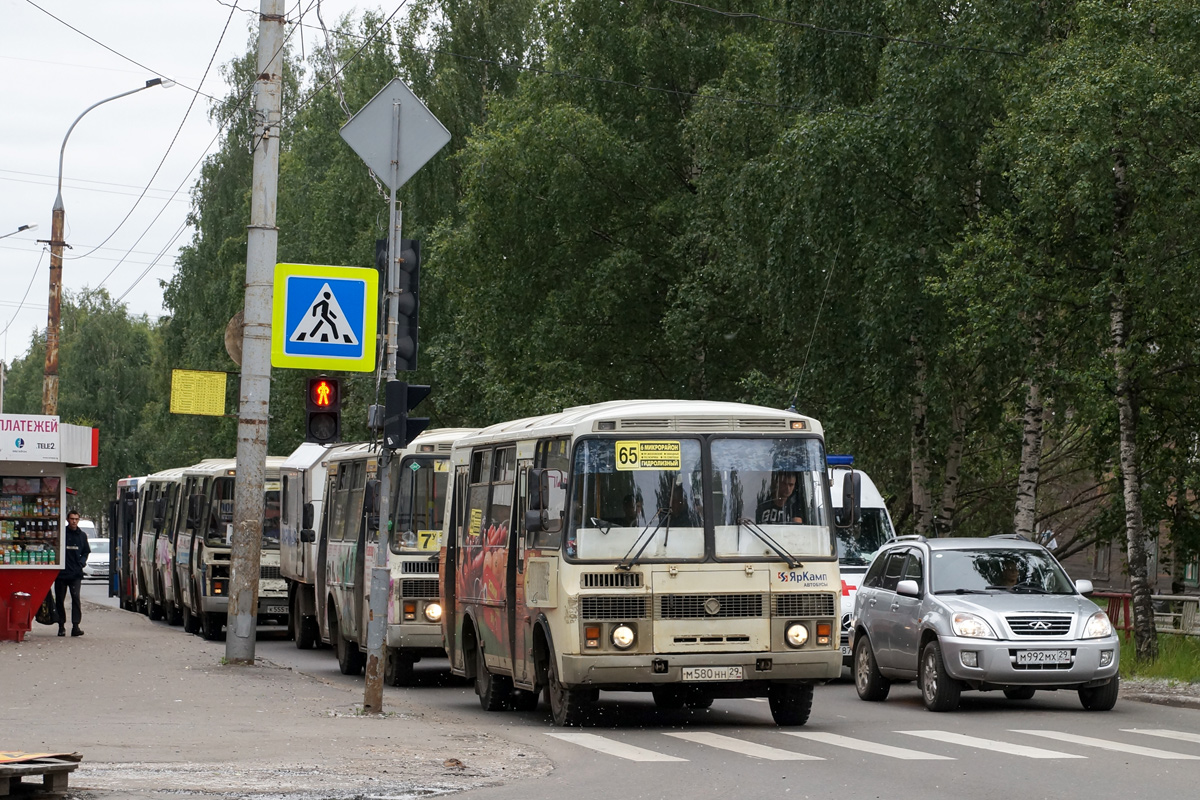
(77, 550)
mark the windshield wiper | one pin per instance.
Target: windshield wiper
(1022, 587)
(766, 539)
(628, 561)
(964, 591)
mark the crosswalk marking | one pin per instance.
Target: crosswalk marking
(1104, 744)
(868, 747)
(990, 744)
(609, 747)
(745, 748)
(1180, 735)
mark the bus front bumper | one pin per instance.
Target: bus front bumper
(648, 671)
(415, 636)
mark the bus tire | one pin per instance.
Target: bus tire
(304, 628)
(174, 617)
(210, 625)
(791, 703)
(400, 668)
(524, 700)
(350, 658)
(698, 702)
(494, 690)
(154, 610)
(568, 707)
(191, 623)
(668, 697)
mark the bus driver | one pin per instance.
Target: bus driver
(784, 506)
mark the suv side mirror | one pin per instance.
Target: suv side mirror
(909, 588)
(1084, 586)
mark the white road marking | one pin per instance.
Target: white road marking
(990, 744)
(609, 747)
(1180, 735)
(1104, 744)
(744, 747)
(868, 747)
(756, 699)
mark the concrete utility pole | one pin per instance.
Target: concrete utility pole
(380, 575)
(249, 503)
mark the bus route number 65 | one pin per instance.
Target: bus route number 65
(627, 454)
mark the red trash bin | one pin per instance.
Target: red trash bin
(20, 615)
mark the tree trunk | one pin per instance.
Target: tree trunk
(922, 498)
(1144, 634)
(954, 454)
(1025, 514)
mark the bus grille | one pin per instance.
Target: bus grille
(419, 567)
(620, 607)
(709, 606)
(265, 573)
(610, 580)
(419, 588)
(803, 605)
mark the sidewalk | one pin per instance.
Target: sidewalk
(154, 713)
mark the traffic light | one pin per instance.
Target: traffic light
(409, 305)
(399, 429)
(323, 406)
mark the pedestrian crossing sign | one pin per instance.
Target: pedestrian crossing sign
(324, 317)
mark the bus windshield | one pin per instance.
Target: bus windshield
(418, 503)
(220, 514)
(637, 499)
(769, 495)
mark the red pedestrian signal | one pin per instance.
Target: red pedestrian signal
(323, 404)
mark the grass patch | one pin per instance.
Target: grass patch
(1178, 660)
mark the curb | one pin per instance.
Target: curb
(1176, 700)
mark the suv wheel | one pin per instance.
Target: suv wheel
(1101, 698)
(939, 691)
(870, 683)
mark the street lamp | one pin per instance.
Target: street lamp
(50, 383)
(32, 227)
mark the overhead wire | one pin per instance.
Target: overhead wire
(24, 296)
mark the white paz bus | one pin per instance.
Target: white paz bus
(685, 548)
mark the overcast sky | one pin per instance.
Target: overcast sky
(51, 73)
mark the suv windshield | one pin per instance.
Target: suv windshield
(631, 496)
(996, 569)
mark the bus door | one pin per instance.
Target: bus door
(520, 620)
(495, 634)
(320, 575)
(450, 567)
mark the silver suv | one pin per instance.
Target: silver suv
(984, 614)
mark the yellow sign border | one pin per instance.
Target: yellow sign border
(279, 318)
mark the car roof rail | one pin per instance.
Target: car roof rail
(1016, 536)
(912, 537)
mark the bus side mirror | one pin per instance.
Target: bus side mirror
(535, 521)
(160, 510)
(193, 510)
(537, 492)
(307, 516)
(308, 535)
(371, 497)
(851, 498)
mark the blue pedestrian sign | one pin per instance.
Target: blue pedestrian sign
(324, 318)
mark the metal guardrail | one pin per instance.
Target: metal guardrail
(1177, 614)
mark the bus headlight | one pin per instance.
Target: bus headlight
(796, 634)
(623, 637)
(433, 612)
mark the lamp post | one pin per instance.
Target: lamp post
(50, 382)
(32, 227)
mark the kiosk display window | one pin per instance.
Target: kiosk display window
(29, 520)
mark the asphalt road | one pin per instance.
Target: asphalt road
(1048, 747)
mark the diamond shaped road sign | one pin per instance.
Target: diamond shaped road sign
(370, 131)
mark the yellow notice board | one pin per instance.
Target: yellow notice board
(657, 454)
(196, 392)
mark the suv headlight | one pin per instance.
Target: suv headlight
(1097, 626)
(972, 626)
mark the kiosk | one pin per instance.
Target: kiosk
(35, 452)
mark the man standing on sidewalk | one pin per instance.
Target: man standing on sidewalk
(77, 552)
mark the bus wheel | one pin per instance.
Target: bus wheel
(399, 670)
(567, 706)
(173, 615)
(154, 610)
(210, 625)
(350, 658)
(668, 697)
(698, 702)
(494, 690)
(191, 623)
(524, 700)
(790, 703)
(304, 629)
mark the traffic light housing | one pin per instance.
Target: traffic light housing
(408, 304)
(399, 429)
(323, 410)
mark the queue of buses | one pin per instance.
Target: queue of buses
(689, 549)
